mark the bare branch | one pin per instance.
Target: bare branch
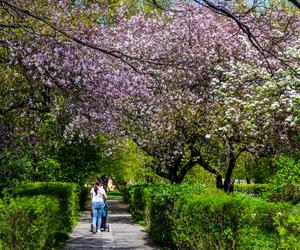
(192, 162)
(23, 105)
(296, 3)
(10, 26)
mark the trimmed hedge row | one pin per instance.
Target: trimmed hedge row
(287, 190)
(252, 189)
(153, 204)
(29, 223)
(139, 196)
(220, 221)
(1, 214)
(194, 217)
(66, 193)
(84, 195)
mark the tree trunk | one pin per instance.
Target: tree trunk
(248, 181)
(228, 182)
(219, 182)
(170, 174)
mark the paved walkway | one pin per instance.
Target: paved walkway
(123, 234)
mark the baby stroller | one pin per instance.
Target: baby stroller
(104, 221)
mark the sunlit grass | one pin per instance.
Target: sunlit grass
(115, 194)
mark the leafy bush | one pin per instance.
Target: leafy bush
(203, 223)
(252, 189)
(137, 196)
(202, 218)
(153, 204)
(30, 223)
(83, 197)
(67, 193)
(215, 220)
(1, 219)
(285, 184)
(287, 226)
(48, 169)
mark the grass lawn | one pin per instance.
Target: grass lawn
(115, 194)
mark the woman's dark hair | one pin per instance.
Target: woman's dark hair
(96, 187)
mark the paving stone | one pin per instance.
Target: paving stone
(124, 233)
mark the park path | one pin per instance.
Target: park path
(123, 234)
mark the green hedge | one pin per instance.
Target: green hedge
(139, 196)
(215, 220)
(29, 223)
(83, 197)
(285, 184)
(1, 219)
(201, 218)
(67, 193)
(154, 203)
(252, 189)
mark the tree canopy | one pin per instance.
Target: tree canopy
(188, 85)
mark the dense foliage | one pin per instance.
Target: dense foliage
(66, 193)
(38, 215)
(179, 90)
(124, 161)
(30, 223)
(199, 218)
(190, 91)
(253, 189)
(285, 184)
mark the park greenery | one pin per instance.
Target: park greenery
(198, 217)
(184, 99)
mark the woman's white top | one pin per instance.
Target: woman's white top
(99, 196)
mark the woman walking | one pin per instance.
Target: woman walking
(97, 195)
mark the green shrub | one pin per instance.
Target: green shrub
(267, 226)
(288, 228)
(252, 189)
(153, 204)
(159, 209)
(136, 201)
(285, 184)
(83, 197)
(1, 219)
(30, 223)
(193, 217)
(138, 197)
(67, 193)
(202, 221)
(215, 220)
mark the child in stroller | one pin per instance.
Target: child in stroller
(104, 221)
